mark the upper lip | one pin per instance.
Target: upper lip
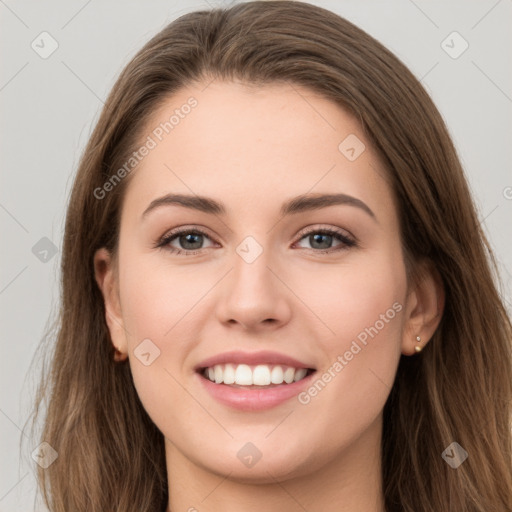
(252, 358)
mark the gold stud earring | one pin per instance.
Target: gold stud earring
(417, 348)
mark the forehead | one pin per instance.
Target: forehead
(233, 140)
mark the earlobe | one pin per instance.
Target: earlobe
(105, 275)
(424, 309)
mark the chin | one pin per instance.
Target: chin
(273, 466)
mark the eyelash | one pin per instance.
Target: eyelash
(347, 242)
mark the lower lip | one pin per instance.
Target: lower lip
(254, 399)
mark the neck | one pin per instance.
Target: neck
(350, 481)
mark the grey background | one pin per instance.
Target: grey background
(49, 107)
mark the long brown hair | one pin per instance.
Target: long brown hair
(110, 454)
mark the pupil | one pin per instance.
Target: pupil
(318, 237)
(187, 239)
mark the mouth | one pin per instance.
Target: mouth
(261, 376)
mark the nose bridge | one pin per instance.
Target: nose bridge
(251, 272)
(252, 293)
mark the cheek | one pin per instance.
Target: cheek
(350, 298)
(156, 306)
(155, 298)
(362, 305)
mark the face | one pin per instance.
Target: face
(324, 285)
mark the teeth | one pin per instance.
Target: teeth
(217, 370)
(260, 375)
(289, 373)
(277, 375)
(300, 374)
(229, 374)
(243, 374)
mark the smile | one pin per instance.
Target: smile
(285, 383)
(261, 375)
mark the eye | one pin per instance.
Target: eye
(190, 241)
(321, 240)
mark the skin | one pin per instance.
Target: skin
(252, 148)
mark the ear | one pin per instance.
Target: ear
(424, 308)
(105, 275)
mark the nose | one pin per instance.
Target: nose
(253, 295)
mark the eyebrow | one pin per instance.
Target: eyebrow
(295, 205)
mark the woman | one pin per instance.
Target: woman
(333, 337)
